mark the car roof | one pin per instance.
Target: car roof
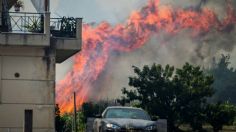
(126, 107)
(121, 107)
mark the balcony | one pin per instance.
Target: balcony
(25, 28)
(66, 36)
(38, 29)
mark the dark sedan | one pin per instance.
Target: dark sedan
(124, 119)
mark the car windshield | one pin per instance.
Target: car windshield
(126, 113)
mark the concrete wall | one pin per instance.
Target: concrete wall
(21, 39)
(27, 82)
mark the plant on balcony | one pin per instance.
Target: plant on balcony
(64, 27)
(68, 27)
(35, 26)
(19, 4)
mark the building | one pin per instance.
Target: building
(31, 43)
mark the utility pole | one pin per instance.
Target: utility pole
(75, 124)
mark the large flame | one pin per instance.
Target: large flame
(100, 41)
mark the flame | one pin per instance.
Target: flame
(100, 41)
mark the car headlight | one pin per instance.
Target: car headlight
(150, 128)
(112, 126)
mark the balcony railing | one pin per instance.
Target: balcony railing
(23, 22)
(63, 27)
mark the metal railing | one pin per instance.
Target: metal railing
(23, 22)
(63, 27)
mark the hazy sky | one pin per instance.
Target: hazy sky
(96, 10)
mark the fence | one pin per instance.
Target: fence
(23, 22)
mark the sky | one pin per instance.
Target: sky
(112, 11)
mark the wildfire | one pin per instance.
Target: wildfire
(100, 41)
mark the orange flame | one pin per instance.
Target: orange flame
(100, 41)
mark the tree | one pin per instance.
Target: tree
(220, 114)
(90, 109)
(195, 87)
(177, 95)
(225, 84)
(154, 91)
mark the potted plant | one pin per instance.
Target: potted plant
(68, 26)
(19, 4)
(35, 26)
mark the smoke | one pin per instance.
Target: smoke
(174, 50)
(63, 68)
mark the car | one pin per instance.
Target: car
(124, 119)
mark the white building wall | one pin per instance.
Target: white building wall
(27, 82)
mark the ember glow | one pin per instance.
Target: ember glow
(100, 41)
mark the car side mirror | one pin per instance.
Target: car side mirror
(154, 118)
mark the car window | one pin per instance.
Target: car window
(126, 113)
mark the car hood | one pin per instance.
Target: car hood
(129, 123)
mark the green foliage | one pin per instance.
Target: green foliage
(225, 84)
(90, 109)
(68, 27)
(80, 121)
(63, 123)
(177, 95)
(36, 26)
(195, 88)
(220, 114)
(67, 122)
